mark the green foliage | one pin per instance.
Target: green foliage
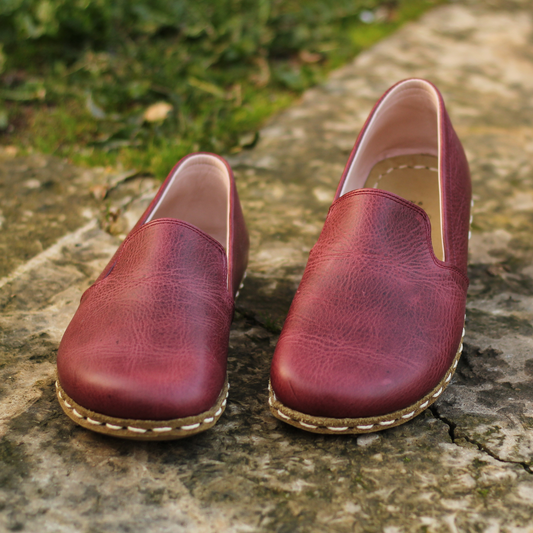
(232, 29)
(78, 76)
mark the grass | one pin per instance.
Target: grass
(88, 97)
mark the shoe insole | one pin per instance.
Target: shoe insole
(415, 178)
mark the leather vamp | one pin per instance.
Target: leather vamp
(377, 319)
(149, 341)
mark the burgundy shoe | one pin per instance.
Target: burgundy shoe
(375, 330)
(145, 354)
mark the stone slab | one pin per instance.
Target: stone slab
(464, 465)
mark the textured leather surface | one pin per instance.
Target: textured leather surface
(150, 340)
(377, 319)
(456, 194)
(239, 240)
(455, 178)
(239, 243)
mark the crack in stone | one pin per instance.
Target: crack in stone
(274, 329)
(452, 426)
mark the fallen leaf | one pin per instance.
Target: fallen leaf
(261, 78)
(99, 191)
(206, 87)
(309, 57)
(94, 110)
(157, 112)
(8, 151)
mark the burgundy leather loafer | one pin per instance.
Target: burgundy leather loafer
(145, 354)
(375, 330)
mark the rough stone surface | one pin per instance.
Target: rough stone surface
(465, 465)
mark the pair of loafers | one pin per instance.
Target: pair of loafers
(374, 332)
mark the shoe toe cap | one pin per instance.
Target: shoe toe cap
(348, 383)
(141, 382)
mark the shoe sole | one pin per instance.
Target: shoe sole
(127, 428)
(335, 426)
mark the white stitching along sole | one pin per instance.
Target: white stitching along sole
(326, 425)
(143, 429)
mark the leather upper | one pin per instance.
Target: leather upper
(377, 319)
(150, 338)
(239, 242)
(456, 194)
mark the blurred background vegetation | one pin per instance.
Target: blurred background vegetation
(140, 83)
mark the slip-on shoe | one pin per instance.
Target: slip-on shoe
(145, 355)
(375, 330)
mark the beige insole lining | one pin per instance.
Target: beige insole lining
(415, 178)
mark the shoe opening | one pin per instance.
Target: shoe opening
(399, 152)
(199, 193)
